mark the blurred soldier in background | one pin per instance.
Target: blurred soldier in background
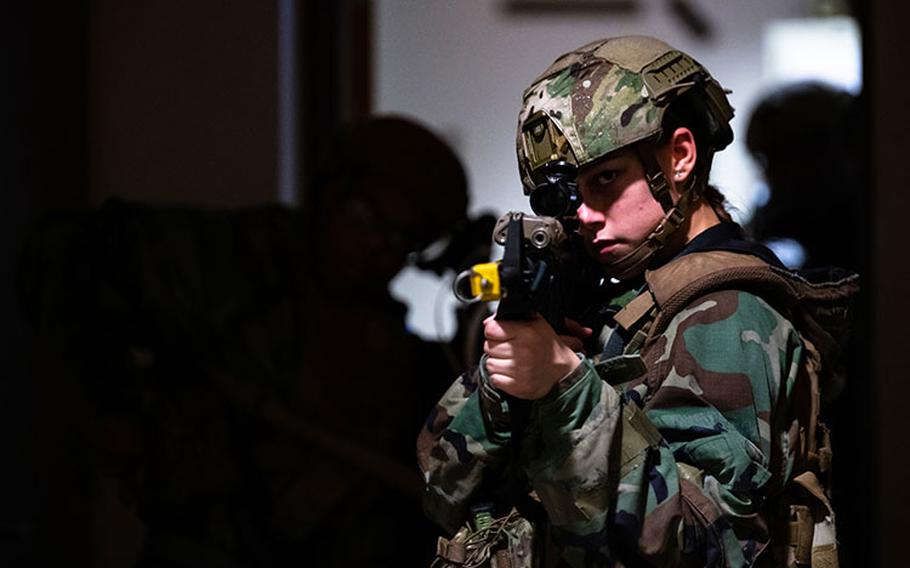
(807, 140)
(251, 386)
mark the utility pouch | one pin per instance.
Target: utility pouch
(504, 542)
(811, 540)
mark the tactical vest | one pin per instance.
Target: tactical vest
(799, 513)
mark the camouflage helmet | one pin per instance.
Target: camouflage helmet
(607, 95)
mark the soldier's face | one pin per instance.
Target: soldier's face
(619, 211)
(369, 231)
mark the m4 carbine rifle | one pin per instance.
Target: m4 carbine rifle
(542, 264)
(541, 272)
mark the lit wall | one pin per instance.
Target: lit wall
(460, 67)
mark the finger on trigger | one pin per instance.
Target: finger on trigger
(577, 329)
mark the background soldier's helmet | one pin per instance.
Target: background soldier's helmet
(607, 95)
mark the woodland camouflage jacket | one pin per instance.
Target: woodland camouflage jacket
(727, 365)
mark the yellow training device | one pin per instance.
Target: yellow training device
(484, 283)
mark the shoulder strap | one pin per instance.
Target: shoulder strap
(675, 285)
(670, 286)
(675, 277)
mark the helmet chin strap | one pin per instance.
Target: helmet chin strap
(637, 260)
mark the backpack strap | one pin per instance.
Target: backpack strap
(820, 308)
(672, 286)
(640, 309)
(703, 268)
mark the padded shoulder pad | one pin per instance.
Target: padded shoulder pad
(670, 279)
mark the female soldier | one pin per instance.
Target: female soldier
(663, 440)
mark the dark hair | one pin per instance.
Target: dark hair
(689, 111)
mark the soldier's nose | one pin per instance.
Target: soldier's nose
(587, 216)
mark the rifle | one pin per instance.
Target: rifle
(539, 273)
(542, 271)
(542, 264)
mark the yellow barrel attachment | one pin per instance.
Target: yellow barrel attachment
(483, 283)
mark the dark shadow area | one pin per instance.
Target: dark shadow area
(236, 386)
(43, 59)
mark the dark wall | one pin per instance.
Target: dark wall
(167, 102)
(43, 163)
(183, 101)
(888, 86)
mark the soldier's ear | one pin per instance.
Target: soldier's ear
(683, 153)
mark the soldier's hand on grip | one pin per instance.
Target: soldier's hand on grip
(526, 358)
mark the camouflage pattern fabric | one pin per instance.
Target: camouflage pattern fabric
(607, 95)
(727, 366)
(587, 97)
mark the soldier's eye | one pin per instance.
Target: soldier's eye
(606, 177)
